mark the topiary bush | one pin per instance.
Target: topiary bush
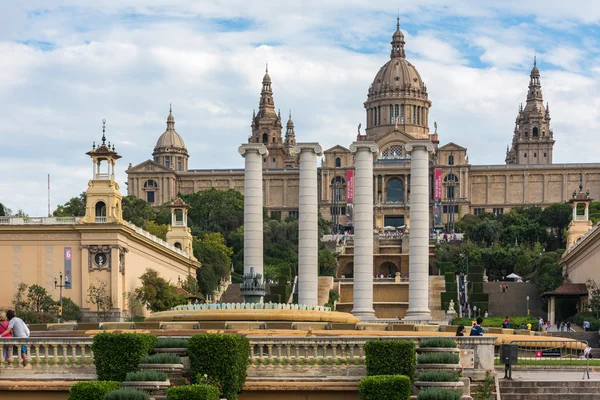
(92, 390)
(390, 357)
(438, 358)
(222, 358)
(171, 343)
(438, 376)
(193, 392)
(146, 376)
(438, 342)
(496, 322)
(116, 354)
(388, 387)
(439, 394)
(127, 394)
(161, 358)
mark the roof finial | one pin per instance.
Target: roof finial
(170, 108)
(534, 59)
(398, 20)
(290, 113)
(267, 67)
(103, 131)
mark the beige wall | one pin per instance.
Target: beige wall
(581, 262)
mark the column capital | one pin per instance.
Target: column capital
(312, 146)
(250, 147)
(419, 143)
(364, 145)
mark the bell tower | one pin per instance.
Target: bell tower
(103, 199)
(581, 224)
(179, 235)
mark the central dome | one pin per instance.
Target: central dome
(170, 139)
(396, 75)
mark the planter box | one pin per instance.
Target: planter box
(444, 385)
(180, 351)
(421, 350)
(155, 388)
(172, 370)
(438, 367)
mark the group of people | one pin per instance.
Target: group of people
(561, 326)
(503, 288)
(13, 326)
(476, 329)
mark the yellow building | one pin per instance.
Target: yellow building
(98, 248)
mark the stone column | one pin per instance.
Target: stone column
(363, 229)
(253, 290)
(308, 236)
(418, 288)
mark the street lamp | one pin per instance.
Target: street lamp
(475, 311)
(61, 286)
(528, 306)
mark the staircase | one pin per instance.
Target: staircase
(437, 285)
(514, 302)
(550, 390)
(232, 294)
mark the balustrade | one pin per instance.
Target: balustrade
(47, 353)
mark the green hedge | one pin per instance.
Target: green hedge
(446, 267)
(439, 394)
(476, 287)
(385, 387)
(127, 394)
(193, 392)
(476, 269)
(171, 343)
(438, 342)
(272, 298)
(587, 316)
(481, 305)
(438, 376)
(148, 375)
(496, 322)
(223, 358)
(438, 358)
(475, 277)
(478, 297)
(92, 390)
(450, 277)
(285, 272)
(116, 354)
(282, 291)
(450, 286)
(390, 357)
(161, 358)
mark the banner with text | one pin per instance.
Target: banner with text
(350, 185)
(68, 258)
(437, 184)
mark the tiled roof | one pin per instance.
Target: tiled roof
(572, 289)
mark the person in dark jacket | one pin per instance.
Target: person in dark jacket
(477, 330)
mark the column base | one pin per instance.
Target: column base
(417, 316)
(364, 314)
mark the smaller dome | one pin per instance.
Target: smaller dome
(535, 71)
(170, 139)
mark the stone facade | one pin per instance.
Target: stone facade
(397, 111)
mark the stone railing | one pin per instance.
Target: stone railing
(156, 239)
(39, 220)
(47, 353)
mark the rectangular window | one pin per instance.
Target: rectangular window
(525, 155)
(294, 214)
(534, 155)
(414, 118)
(374, 114)
(168, 161)
(478, 211)
(150, 197)
(179, 164)
(265, 159)
(450, 192)
(447, 209)
(274, 159)
(544, 155)
(378, 115)
(392, 114)
(498, 211)
(402, 114)
(397, 111)
(419, 116)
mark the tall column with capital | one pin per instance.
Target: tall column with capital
(418, 267)
(308, 229)
(363, 229)
(253, 287)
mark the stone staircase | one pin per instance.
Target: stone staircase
(437, 285)
(550, 390)
(232, 294)
(515, 301)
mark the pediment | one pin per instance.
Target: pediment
(337, 148)
(394, 136)
(452, 146)
(149, 165)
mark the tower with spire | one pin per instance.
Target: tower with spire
(267, 129)
(170, 150)
(533, 140)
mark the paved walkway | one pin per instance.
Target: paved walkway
(552, 376)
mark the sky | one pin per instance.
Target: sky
(66, 65)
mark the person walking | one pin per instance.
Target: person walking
(549, 326)
(586, 325)
(4, 328)
(507, 322)
(541, 324)
(477, 330)
(18, 329)
(568, 326)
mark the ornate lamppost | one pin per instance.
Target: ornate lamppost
(60, 285)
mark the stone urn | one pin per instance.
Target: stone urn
(173, 371)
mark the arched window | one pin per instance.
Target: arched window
(338, 162)
(394, 191)
(150, 186)
(402, 113)
(450, 159)
(100, 211)
(179, 164)
(535, 131)
(265, 138)
(392, 152)
(451, 182)
(178, 245)
(151, 183)
(168, 161)
(338, 185)
(273, 140)
(391, 114)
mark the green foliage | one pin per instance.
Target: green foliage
(134, 306)
(116, 354)
(214, 255)
(161, 358)
(327, 263)
(215, 210)
(594, 296)
(99, 295)
(385, 387)
(2, 212)
(390, 357)
(137, 211)
(193, 392)
(333, 297)
(127, 394)
(476, 287)
(191, 286)
(548, 274)
(438, 342)
(158, 230)
(523, 265)
(146, 376)
(156, 293)
(223, 358)
(71, 311)
(75, 207)
(92, 390)
(447, 269)
(496, 322)
(39, 300)
(591, 317)
(478, 297)
(439, 394)
(438, 376)
(171, 343)
(438, 358)
(485, 390)
(34, 305)
(272, 298)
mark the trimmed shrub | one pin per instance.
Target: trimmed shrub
(481, 305)
(446, 267)
(438, 358)
(127, 394)
(439, 394)
(193, 392)
(92, 390)
(496, 322)
(438, 342)
(388, 387)
(161, 358)
(146, 376)
(477, 287)
(116, 354)
(476, 269)
(472, 277)
(223, 358)
(450, 286)
(272, 298)
(479, 297)
(450, 277)
(438, 376)
(390, 357)
(171, 343)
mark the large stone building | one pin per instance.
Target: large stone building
(397, 110)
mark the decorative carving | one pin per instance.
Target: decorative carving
(122, 252)
(99, 258)
(258, 147)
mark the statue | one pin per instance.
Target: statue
(359, 125)
(451, 307)
(435, 126)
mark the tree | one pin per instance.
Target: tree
(2, 214)
(327, 263)
(75, 207)
(137, 211)
(38, 300)
(523, 266)
(594, 296)
(19, 300)
(191, 286)
(215, 258)
(71, 311)
(156, 293)
(99, 296)
(134, 305)
(215, 210)
(557, 216)
(158, 230)
(487, 231)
